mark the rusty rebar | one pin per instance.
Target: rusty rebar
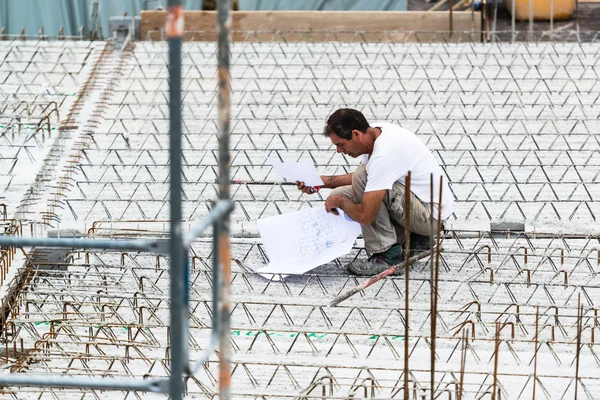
(338, 299)
(450, 16)
(578, 349)
(433, 294)
(463, 362)
(407, 198)
(535, 350)
(437, 255)
(496, 356)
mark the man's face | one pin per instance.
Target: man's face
(349, 147)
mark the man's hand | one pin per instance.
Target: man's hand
(364, 213)
(307, 189)
(333, 203)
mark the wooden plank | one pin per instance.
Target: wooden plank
(320, 25)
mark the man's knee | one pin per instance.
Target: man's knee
(359, 177)
(359, 182)
(343, 191)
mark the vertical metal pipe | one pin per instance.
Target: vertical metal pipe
(436, 273)
(463, 363)
(535, 351)
(407, 216)
(496, 356)
(578, 350)
(223, 27)
(450, 6)
(483, 15)
(174, 30)
(551, 18)
(531, 20)
(513, 19)
(577, 17)
(472, 21)
(433, 289)
(494, 34)
(438, 246)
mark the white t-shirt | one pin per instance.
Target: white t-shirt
(397, 151)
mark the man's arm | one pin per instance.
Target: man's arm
(364, 213)
(333, 181)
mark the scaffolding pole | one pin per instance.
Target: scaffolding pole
(224, 104)
(178, 289)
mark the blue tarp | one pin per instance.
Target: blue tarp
(341, 5)
(72, 14)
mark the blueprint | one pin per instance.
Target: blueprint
(299, 241)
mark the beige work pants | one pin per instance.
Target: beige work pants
(388, 227)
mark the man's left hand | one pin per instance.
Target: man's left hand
(333, 203)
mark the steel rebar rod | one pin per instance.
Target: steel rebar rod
(377, 278)
(578, 348)
(450, 16)
(407, 215)
(179, 270)
(535, 350)
(513, 19)
(577, 18)
(436, 265)
(551, 18)
(496, 357)
(241, 182)
(433, 289)
(463, 362)
(531, 20)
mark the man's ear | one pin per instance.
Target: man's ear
(355, 132)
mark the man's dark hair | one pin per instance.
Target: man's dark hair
(344, 121)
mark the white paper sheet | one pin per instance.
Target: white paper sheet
(303, 171)
(299, 241)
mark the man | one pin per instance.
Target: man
(373, 194)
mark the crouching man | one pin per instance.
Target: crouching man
(373, 194)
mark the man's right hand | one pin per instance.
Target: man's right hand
(306, 189)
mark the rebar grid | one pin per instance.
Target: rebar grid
(515, 161)
(87, 113)
(41, 81)
(112, 309)
(512, 124)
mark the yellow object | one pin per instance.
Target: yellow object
(542, 9)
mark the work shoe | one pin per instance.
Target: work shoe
(419, 243)
(378, 262)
